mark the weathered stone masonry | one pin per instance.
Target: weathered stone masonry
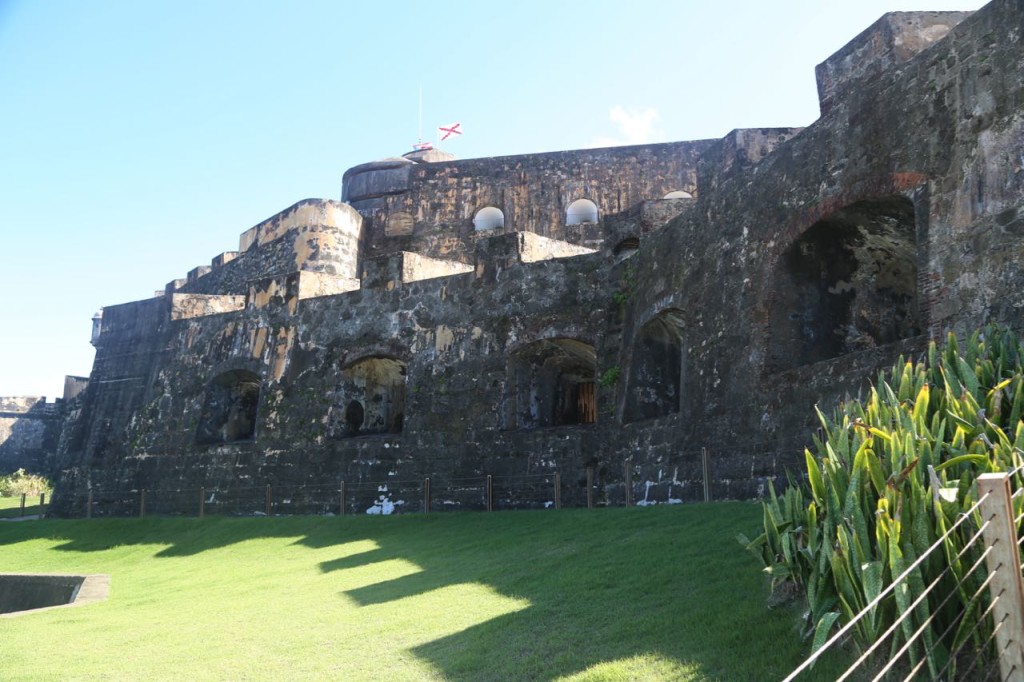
(29, 429)
(554, 312)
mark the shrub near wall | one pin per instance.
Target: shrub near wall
(20, 483)
(887, 477)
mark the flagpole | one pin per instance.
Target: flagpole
(419, 137)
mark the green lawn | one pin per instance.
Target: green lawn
(612, 594)
(11, 506)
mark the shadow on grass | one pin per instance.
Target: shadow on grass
(603, 585)
(10, 508)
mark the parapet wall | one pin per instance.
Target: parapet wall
(891, 41)
(428, 209)
(494, 253)
(313, 235)
(434, 216)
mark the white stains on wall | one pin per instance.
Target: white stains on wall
(384, 505)
(649, 485)
(443, 338)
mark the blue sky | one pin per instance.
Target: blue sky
(139, 139)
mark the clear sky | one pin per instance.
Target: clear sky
(138, 139)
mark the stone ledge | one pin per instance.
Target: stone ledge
(93, 588)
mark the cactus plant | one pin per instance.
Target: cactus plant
(885, 479)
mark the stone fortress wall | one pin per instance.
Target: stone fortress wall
(30, 428)
(545, 313)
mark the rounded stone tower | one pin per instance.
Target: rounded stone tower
(365, 186)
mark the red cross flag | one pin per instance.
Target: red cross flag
(444, 132)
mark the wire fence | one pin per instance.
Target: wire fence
(23, 506)
(677, 476)
(968, 622)
(391, 496)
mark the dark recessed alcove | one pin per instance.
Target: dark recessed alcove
(370, 398)
(229, 409)
(551, 383)
(656, 375)
(847, 284)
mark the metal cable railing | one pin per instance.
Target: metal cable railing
(981, 606)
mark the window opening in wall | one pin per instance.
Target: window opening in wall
(656, 374)
(848, 283)
(581, 211)
(626, 248)
(370, 398)
(354, 416)
(229, 409)
(551, 383)
(678, 194)
(488, 218)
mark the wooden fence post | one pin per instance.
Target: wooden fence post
(22, 512)
(590, 487)
(341, 501)
(707, 479)
(628, 464)
(88, 506)
(202, 502)
(426, 495)
(490, 493)
(558, 490)
(42, 504)
(142, 503)
(266, 505)
(1003, 561)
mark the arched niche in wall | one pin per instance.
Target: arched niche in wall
(488, 218)
(229, 408)
(678, 194)
(581, 211)
(551, 382)
(626, 248)
(370, 398)
(656, 373)
(846, 284)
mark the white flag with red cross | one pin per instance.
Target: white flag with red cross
(450, 130)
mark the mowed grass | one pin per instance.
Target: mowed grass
(612, 594)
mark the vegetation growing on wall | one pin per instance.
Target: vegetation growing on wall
(886, 478)
(627, 288)
(610, 377)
